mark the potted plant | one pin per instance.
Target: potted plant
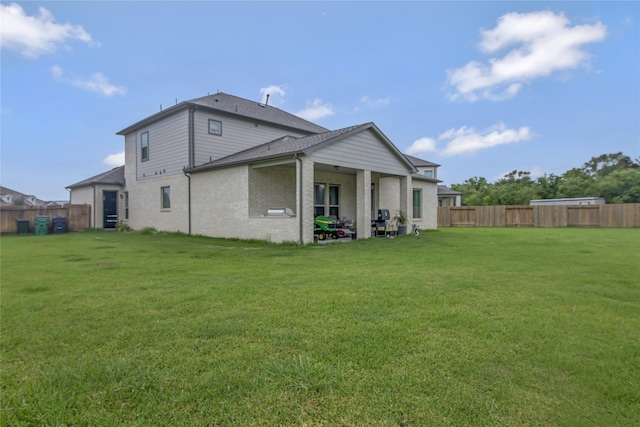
(401, 220)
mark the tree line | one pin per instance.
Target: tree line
(615, 177)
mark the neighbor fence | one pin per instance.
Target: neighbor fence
(78, 217)
(616, 215)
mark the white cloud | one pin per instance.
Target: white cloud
(114, 159)
(541, 43)
(276, 93)
(467, 140)
(33, 36)
(98, 83)
(315, 110)
(422, 145)
(370, 103)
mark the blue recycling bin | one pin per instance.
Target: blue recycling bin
(59, 224)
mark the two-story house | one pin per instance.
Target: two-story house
(224, 166)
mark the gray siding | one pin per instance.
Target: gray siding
(237, 135)
(362, 151)
(168, 147)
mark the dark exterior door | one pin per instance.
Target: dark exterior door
(110, 209)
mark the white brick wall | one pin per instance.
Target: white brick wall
(222, 210)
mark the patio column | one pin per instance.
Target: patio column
(363, 203)
(304, 191)
(406, 197)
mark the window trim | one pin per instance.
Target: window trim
(333, 206)
(326, 206)
(317, 206)
(162, 198)
(219, 133)
(413, 200)
(144, 158)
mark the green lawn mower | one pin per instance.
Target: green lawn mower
(325, 227)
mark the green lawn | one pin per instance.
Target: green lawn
(497, 326)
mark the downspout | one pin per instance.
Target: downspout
(191, 144)
(188, 197)
(300, 203)
(94, 206)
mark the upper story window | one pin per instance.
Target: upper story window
(215, 127)
(144, 146)
(428, 173)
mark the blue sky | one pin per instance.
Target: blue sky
(481, 88)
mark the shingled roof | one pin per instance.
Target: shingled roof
(223, 103)
(417, 162)
(443, 190)
(113, 177)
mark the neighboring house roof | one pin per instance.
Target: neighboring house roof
(443, 190)
(289, 145)
(232, 105)
(417, 162)
(113, 177)
(16, 195)
(420, 162)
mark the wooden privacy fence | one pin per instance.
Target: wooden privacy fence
(78, 217)
(618, 216)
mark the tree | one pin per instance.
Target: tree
(516, 188)
(547, 186)
(614, 176)
(621, 186)
(605, 164)
(475, 191)
(576, 183)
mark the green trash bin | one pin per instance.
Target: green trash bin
(41, 225)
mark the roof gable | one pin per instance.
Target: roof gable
(289, 145)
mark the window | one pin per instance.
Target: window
(428, 173)
(417, 203)
(215, 127)
(144, 146)
(126, 205)
(334, 201)
(318, 199)
(326, 203)
(166, 197)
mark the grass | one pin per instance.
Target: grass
(455, 327)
